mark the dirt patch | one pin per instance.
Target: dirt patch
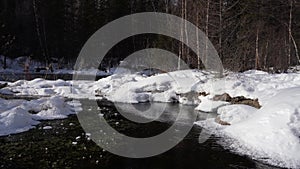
(223, 123)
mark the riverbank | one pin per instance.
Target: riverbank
(265, 130)
(64, 144)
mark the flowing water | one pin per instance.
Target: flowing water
(66, 145)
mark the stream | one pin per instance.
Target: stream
(66, 145)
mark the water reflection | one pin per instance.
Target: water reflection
(162, 112)
(188, 153)
(104, 133)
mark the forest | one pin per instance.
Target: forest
(150, 91)
(248, 34)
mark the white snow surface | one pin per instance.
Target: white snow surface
(42, 87)
(135, 88)
(270, 134)
(233, 114)
(208, 105)
(16, 115)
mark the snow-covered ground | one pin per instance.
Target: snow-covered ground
(42, 87)
(20, 115)
(270, 134)
(132, 88)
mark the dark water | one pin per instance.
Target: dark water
(67, 146)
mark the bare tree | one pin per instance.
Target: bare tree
(296, 48)
(220, 25)
(197, 39)
(181, 36)
(207, 31)
(37, 27)
(185, 30)
(290, 32)
(291, 37)
(257, 49)
(266, 56)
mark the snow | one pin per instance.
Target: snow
(235, 113)
(53, 108)
(134, 88)
(167, 87)
(295, 122)
(270, 134)
(15, 120)
(42, 87)
(16, 116)
(207, 105)
(47, 128)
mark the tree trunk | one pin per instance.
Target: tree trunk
(45, 39)
(181, 36)
(37, 27)
(4, 64)
(186, 33)
(167, 6)
(207, 32)
(296, 48)
(290, 33)
(266, 56)
(197, 39)
(257, 50)
(220, 28)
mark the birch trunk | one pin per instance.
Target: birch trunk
(207, 32)
(257, 50)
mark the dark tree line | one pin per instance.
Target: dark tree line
(247, 34)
